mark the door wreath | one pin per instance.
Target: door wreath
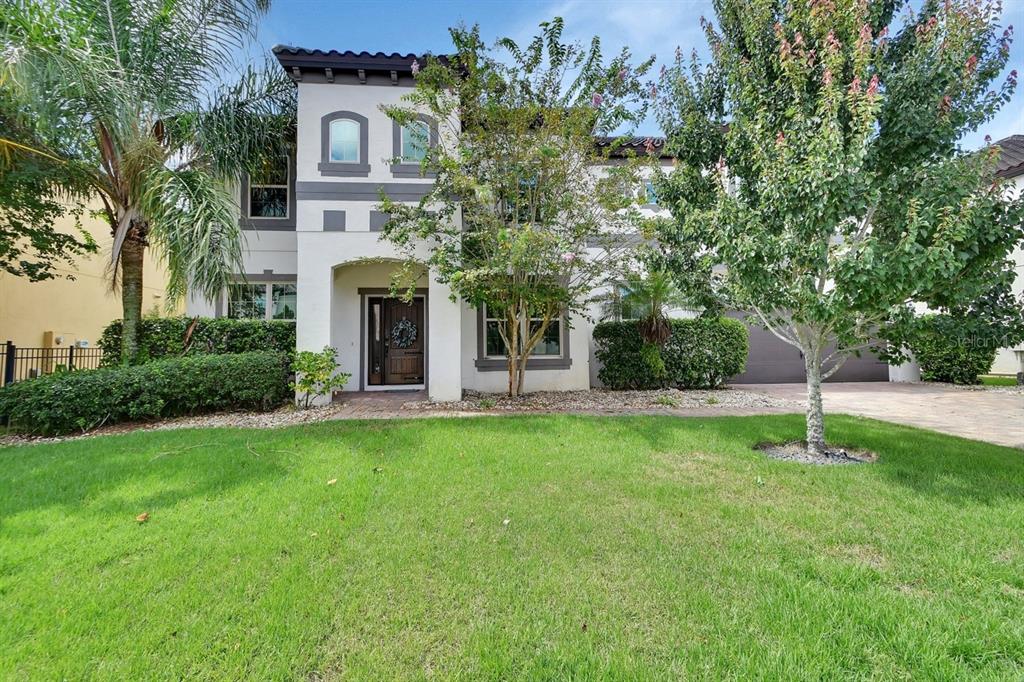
(403, 334)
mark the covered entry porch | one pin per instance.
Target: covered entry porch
(384, 341)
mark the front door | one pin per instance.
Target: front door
(395, 332)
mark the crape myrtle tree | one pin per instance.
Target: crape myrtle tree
(820, 179)
(518, 220)
(140, 99)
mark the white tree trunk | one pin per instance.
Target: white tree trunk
(815, 411)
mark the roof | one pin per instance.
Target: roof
(636, 145)
(299, 60)
(1011, 157)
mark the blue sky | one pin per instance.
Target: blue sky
(646, 26)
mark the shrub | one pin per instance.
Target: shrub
(85, 399)
(317, 375)
(947, 349)
(161, 337)
(700, 353)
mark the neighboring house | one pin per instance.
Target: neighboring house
(1011, 167)
(62, 312)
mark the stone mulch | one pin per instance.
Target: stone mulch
(602, 400)
(473, 404)
(1012, 390)
(796, 452)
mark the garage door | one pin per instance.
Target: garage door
(773, 361)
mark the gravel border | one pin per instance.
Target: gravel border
(606, 400)
(796, 452)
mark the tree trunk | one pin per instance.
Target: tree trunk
(815, 412)
(131, 295)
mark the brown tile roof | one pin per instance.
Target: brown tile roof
(348, 61)
(1011, 157)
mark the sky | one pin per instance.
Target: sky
(648, 27)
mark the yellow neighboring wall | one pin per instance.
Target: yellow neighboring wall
(73, 310)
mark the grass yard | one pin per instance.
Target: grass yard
(998, 380)
(511, 547)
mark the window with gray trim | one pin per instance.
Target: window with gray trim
(269, 190)
(550, 344)
(262, 300)
(344, 145)
(409, 144)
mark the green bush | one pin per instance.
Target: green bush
(85, 399)
(948, 350)
(161, 337)
(700, 353)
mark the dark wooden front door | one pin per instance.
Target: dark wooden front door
(396, 336)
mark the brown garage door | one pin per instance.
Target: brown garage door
(773, 361)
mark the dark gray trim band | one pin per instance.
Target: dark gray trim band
(337, 168)
(334, 221)
(486, 364)
(361, 191)
(410, 170)
(268, 224)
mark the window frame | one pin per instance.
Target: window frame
(268, 300)
(288, 188)
(411, 169)
(495, 363)
(331, 168)
(249, 222)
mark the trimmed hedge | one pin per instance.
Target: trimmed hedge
(85, 399)
(161, 337)
(947, 351)
(701, 353)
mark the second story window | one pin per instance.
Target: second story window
(415, 140)
(650, 195)
(344, 141)
(268, 190)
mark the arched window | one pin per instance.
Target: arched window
(344, 141)
(344, 145)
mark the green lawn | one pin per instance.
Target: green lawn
(998, 380)
(635, 547)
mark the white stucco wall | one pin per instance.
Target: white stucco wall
(1006, 361)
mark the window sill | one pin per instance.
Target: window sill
(409, 170)
(532, 364)
(344, 170)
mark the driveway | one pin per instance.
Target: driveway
(992, 415)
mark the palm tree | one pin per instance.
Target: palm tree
(647, 299)
(129, 96)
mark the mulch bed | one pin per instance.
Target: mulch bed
(797, 452)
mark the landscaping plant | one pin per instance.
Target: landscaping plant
(819, 168)
(119, 93)
(317, 375)
(516, 219)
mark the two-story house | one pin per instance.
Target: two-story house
(313, 251)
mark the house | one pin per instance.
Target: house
(1011, 167)
(313, 252)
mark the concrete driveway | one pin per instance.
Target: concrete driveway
(984, 414)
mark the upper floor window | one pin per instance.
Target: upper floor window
(415, 141)
(268, 190)
(344, 145)
(344, 141)
(650, 195)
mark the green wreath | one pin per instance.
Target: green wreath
(403, 334)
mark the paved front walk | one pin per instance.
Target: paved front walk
(983, 414)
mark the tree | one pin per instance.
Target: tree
(515, 158)
(123, 94)
(35, 193)
(819, 166)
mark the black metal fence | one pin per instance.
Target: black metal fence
(28, 363)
